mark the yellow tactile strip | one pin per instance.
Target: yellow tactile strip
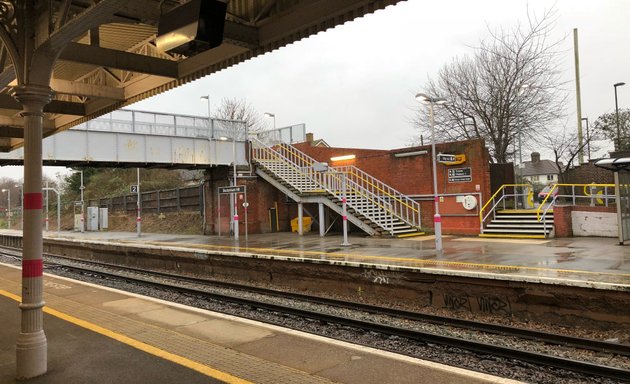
(210, 359)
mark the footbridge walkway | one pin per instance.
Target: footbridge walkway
(127, 138)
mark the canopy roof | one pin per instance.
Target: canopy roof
(104, 53)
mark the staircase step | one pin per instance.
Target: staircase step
(511, 236)
(512, 230)
(407, 235)
(520, 216)
(496, 225)
(516, 221)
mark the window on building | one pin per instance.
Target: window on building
(535, 178)
(550, 177)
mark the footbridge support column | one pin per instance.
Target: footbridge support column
(300, 216)
(32, 347)
(322, 220)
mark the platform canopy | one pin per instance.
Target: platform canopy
(616, 165)
(103, 54)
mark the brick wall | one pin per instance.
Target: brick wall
(588, 173)
(261, 196)
(413, 176)
(562, 217)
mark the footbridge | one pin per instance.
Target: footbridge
(127, 138)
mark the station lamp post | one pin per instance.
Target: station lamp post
(82, 203)
(8, 191)
(620, 84)
(207, 98)
(234, 195)
(588, 139)
(21, 187)
(273, 116)
(437, 219)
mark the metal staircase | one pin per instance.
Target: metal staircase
(373, 206)
(519, 223)
(514, 223)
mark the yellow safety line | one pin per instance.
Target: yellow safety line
(195, 366)
(408, 260)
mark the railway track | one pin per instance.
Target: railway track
(200, 288)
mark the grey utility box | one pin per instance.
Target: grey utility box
(102, 218)
(92, 218)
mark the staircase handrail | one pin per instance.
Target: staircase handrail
(306, 164)
(258, 147)
(336, 189)
(331, 182)
(540, 217)
(401, 205)
(483, 218)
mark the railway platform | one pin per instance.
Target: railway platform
(101, 335)
(586, 262)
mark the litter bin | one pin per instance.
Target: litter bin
(306, 224)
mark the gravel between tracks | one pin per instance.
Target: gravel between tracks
(452, 356)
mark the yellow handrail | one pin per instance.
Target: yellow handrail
(495, 195)
(555, 186)
(386, 193)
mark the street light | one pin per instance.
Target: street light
(437, 219)
(82, 204)
(588, 139)
(210, 125)
(8, 191)
(271, 115)
(224, 138)
(21, 205)
(521, 90)
(620, 84)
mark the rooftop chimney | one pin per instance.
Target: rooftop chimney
(309, 137)
(535, 157)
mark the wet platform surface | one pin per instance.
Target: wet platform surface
(585, 261)
(101, 335)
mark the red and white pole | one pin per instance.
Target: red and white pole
(32, 346)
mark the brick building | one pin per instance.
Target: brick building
(407, 169)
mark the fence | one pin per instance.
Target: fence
(188, 199)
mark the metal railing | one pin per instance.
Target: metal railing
(345, 182)
(165, 124)
(400, 205)
(288, 135)
(573, 196)
(292, 161)
(501, 196)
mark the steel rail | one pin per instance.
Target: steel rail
(421, 336)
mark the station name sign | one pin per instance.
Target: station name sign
(238, 189)
(447, 159)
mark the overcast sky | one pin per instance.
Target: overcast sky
(354, 85)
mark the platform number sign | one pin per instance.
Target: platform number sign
(134, 189)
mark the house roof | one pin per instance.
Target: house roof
(319, 143)
(540, 167)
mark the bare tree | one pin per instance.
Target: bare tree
(510, 83)
(234, 109)
(564, 145)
